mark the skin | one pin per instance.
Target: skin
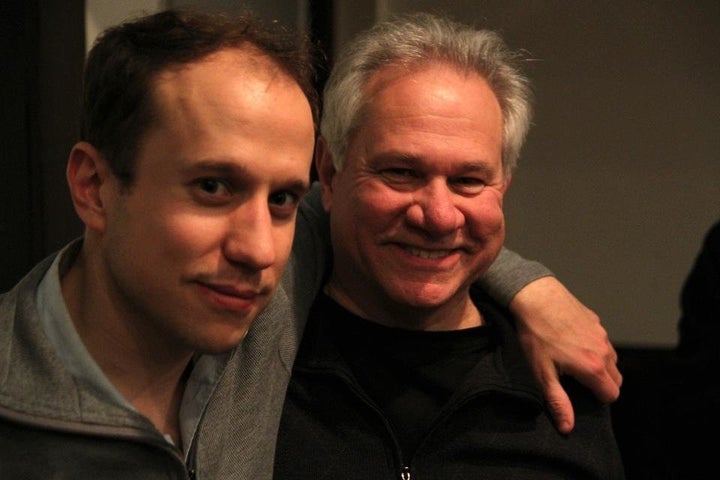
(561, 336)
(183, 260)
(416, 213)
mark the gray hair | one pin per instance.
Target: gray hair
(416, 39)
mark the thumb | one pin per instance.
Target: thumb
(559, 405)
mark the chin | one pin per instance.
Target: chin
(423, 299)
(221, 342)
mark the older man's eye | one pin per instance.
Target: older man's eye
(399, 174)
(468, 185)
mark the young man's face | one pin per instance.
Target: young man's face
(195, 248)
(416, 212)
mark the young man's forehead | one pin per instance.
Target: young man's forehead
(245, 58)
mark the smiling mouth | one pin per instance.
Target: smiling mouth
(231, 298)
(230, 291)
(431, 254)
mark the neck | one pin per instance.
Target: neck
(146, 369)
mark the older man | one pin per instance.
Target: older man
(405, 370)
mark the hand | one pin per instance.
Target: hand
(561, 336)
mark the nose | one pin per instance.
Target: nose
(434, 209)
(249, 242)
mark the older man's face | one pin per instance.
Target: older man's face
(416, 213)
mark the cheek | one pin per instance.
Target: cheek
(366, 211)
(184, 235)
(378, 208)
(486, 217)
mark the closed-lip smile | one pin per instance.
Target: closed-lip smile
(233, 291)
(231, 297)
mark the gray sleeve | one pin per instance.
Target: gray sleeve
(509, 274)
(316, 217)
(305, 271)
(311, 247)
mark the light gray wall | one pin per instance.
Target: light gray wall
(620, 178)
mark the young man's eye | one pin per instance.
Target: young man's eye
(283, 198)
(211, 190)
(212, 186)
(284, 204)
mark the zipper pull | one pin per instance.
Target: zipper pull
(405, 473)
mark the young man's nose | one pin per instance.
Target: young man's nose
(250, 239)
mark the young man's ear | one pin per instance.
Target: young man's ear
(325, 170)
(88, 176)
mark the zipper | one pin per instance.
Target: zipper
(128, 434)
(349, 381)
(450, 409)
(191, 457)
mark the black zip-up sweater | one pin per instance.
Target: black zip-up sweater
(494, 426)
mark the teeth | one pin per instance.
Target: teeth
(428, 253)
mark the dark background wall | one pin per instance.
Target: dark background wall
(42, 45)
(619, 180)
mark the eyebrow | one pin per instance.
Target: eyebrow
(231, 169)
(225, 167)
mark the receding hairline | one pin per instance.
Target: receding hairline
(251, 58)
(248, 62)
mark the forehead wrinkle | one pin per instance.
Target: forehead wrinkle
(436, 100)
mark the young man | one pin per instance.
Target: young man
(198, 133)
(404, 370)
(118, 355)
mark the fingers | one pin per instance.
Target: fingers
(614, 371)
(607, 379)
(560, 406)
(616, 377)
(603, 378)
(556, 398)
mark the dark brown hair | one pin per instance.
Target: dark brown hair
(117, 104)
